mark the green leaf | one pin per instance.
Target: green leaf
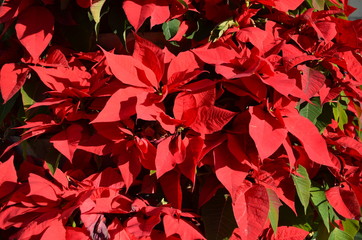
(312, 110)
(31, 92)
(324, 119)
(118, 22)
(64, 4)
(218, 217)
(319, 200)
(6, 108)
(220, 29)
(183, 3)
(302, 184)
(318, 4)
(96, 10)
(81, 35)
(338, 234)
(287, 217)
(170, 28)
(322, 233)
(27, 100)
(351, 226)
(53, 159)
(340, 115)
(192, 35)
(274, 204)
(358, 236)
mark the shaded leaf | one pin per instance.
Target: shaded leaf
(319, 200)
(274, 204)
(351, 226)
(170, 28)
(340, 115)
(6, 108)
(218, 217)
(312, 110)
(302, 184)
(53, 160)
(290, 233)
(338, 234)
(282, 5)
(34, 28)
(8, 178)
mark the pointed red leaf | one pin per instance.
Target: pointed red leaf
(283, 6)
(55, 231)
(211, 119)
(170, 152)
(184, 108)
(251, 207)
(137, 11)
(183, 63)
(34, 28)
(130, 70)
(216, 55)
(254, 35)
(312, 80)
(109, 177)
(308, 134)
(66, 141)
(285, 85)
(42, 191)
(139, 226)
(348, 32)
(266, 131)
(60, 78)
(151, 56)
(117, 232)
(289, 149)
(8, 178)
(179, 226)
(129, 165)
(170, 183)
(12, 78)
(193, 152)
(289, 233)
(77, 233)
(344, 201)
(228, 168)
(37, 225)
(120, 106)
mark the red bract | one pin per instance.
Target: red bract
(13, 78)
(180, 119)
(138, 11)
(34, 28)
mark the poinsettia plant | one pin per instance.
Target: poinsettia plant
(180, 119)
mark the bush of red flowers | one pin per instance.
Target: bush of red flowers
(180, 119)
